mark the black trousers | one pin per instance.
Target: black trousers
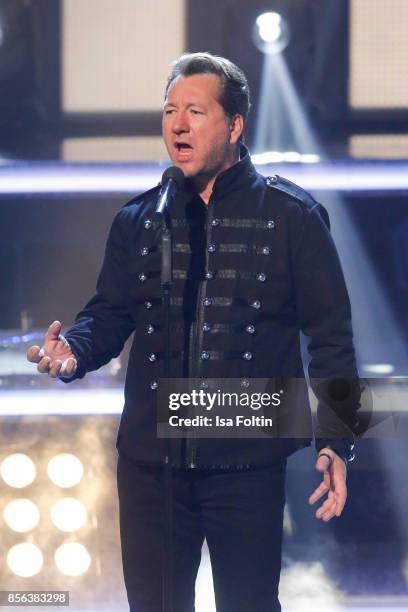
(239, 512)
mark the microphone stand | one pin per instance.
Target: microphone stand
(166, 286)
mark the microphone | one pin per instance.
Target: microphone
(172, 181)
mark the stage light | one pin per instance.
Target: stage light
(72, 559)
(18, 470)
(25, 559)
(21, 515)
(68, 514)
(271, 33)
(65, 470)
(269, 25)
(273, 157)
(380, 369)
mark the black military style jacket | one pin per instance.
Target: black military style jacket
(252, 269)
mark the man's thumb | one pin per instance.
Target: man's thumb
(53, 331)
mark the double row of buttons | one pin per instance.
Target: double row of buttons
(270, 223)
(206, 355)
(207, 301)
(206, 327)
(204, 384)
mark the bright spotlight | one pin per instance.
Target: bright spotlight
(25, 559)
(271, 33)
(65, 470)
(269, 26)
(68, 514)
(72, 559)
(21, 515)
(18, 470)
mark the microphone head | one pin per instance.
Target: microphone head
(174, 173)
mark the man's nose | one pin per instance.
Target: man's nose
(180, 124)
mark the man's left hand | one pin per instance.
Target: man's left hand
(334, 472)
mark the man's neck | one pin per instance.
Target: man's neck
(205, 186)
(205, 195)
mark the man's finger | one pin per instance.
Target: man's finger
(318, 492)
(53, 331)
(323, 463)
(323, 488)
(328, 508)
(68, 367)
(329, 514)
(33, 354)
(44, 365)
(55, 368)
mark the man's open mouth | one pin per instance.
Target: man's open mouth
(182, 146)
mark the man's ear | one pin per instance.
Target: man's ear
(236, 128)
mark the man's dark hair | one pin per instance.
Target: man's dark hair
(234, 89)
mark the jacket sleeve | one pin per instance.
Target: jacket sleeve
(102, 327)
(324, 314)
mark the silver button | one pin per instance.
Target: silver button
(212, 248)
(205, 355)
(261, 277)
(144, 251)
(270, 224)
(250, 329)
(245, 383)
(207, 301)
(148, 305)
(271, 180)
(265, 250)
(154, 384)
(152, 357)
(206, 327)
(215, 222)
(247, 355)
(209, 275)
(147, 224)
(142, 277)
(256, 304)
(204, 384)
(150, 329)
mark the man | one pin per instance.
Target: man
(254, 264)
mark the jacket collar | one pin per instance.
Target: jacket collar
(235, 177)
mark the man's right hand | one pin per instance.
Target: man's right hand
(55, 357)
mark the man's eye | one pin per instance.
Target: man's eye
(169, 111)
(196, 112)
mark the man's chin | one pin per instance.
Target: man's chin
(192, 172)
(187, 168)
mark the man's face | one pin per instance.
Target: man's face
(199, 137)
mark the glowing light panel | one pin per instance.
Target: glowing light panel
(379, 368)
(18, 470)
(65, 470)
(72, 559)
(68, 514)
(54, 177)
(21, 515)
(25, 559)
